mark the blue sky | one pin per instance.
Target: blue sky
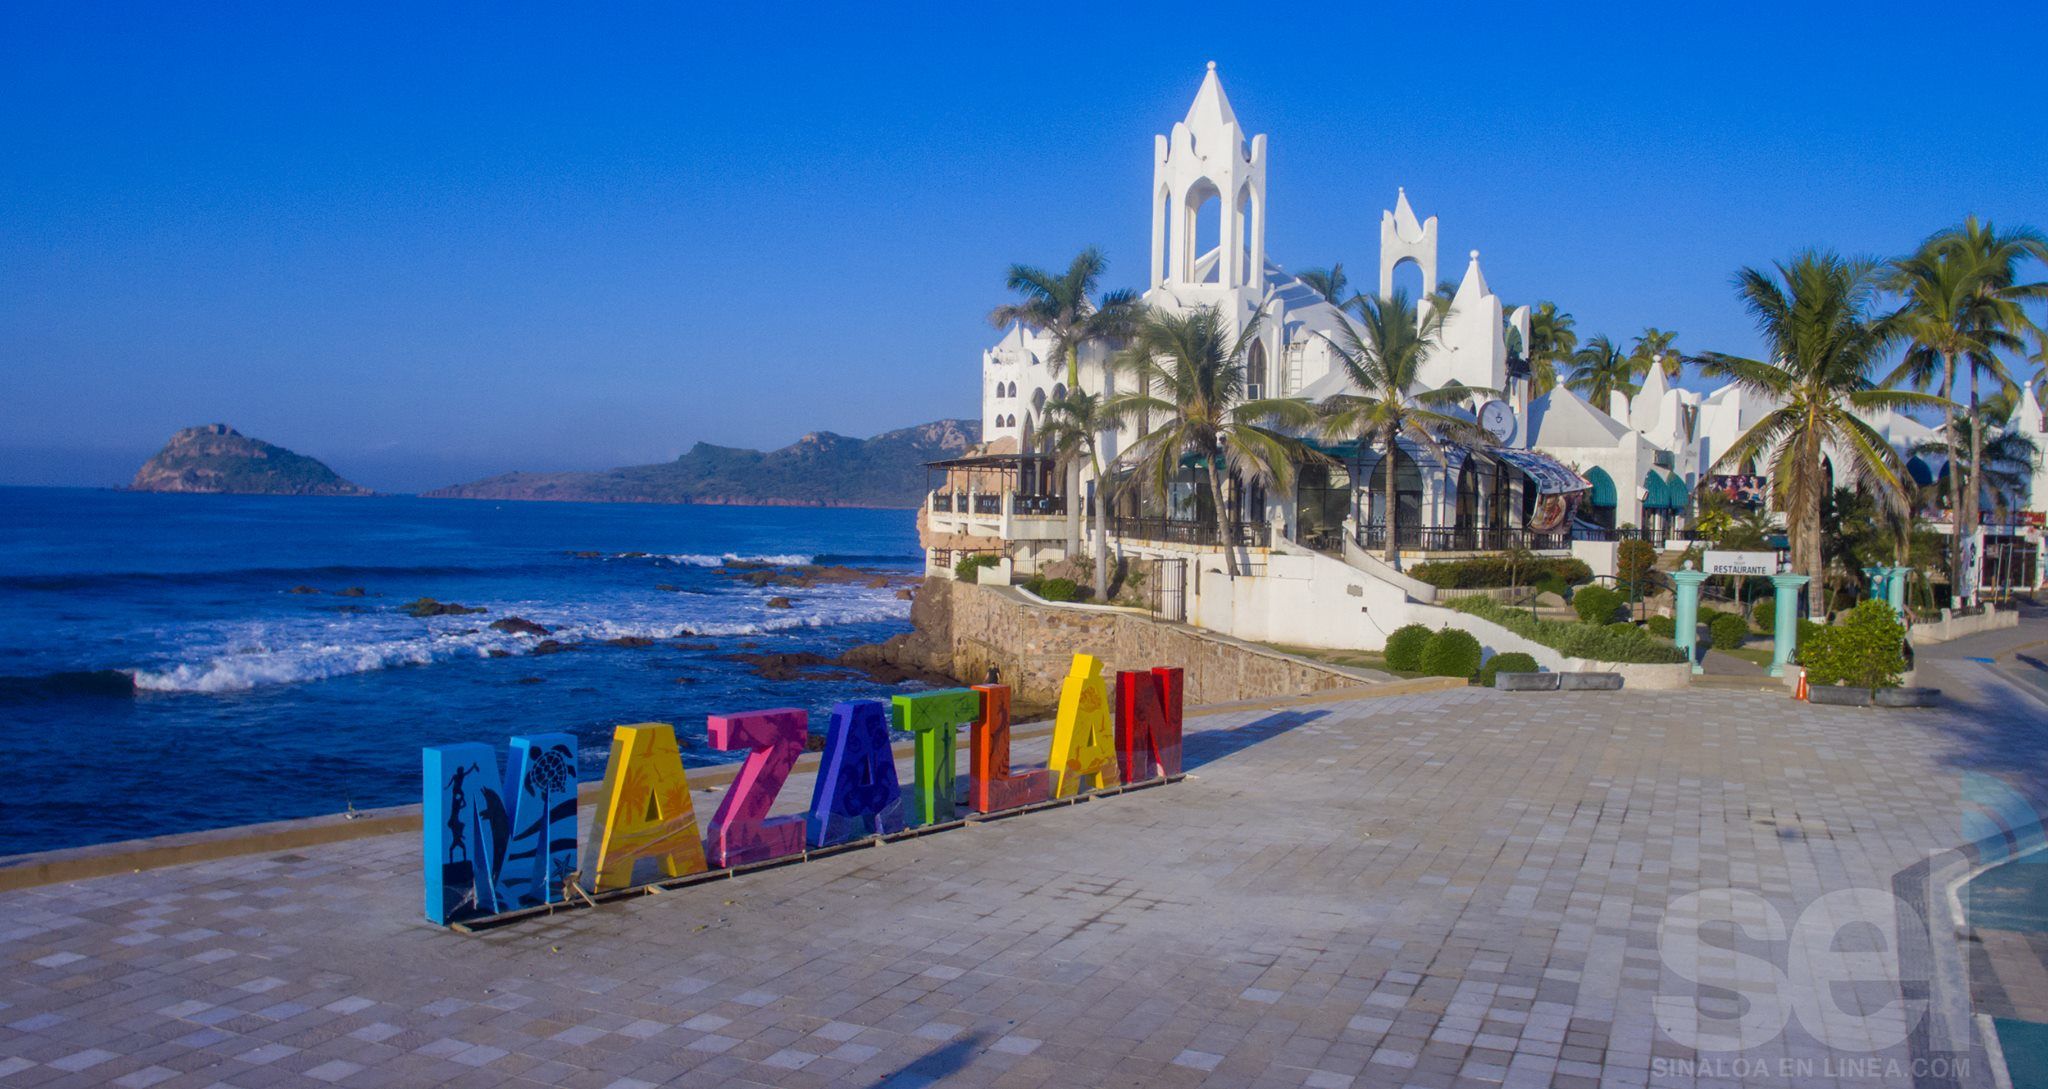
(430, 243)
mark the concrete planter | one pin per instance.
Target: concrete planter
(1526, 682)
(1906, 697)
(1589, 682)
(1838, 696)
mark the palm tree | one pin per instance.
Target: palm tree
(2005, 459)
(1191, 371)
(1329, 283)
(1815, 317)
(1382, 356)
(1061, 307)
(1654, 348)
(1074, 425)
(1599, 371)
(1551, 342)
(1960, 307)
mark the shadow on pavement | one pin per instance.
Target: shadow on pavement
(936, 1065)
(1210, 746)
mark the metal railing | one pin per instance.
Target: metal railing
(1038, 506)
(1656, 537)
(1461, 539)
(1171, 531)
(985, 503)
(991, 503)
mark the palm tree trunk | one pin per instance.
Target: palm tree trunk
(1222, 516)
(1387, 500)
(1073, 467)
(1101, 528)
(1806, 557)
(1955, 479)
(1973, 493)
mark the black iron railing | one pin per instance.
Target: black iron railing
(1172, 531)
(1654, 535)
(1038, 506)
(985, 503)
(1461, 539)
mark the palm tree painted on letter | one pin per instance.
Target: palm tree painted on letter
(1599, 371)
(1815, 316)
(1190, 371)
(1382, 355)
(1074, 425)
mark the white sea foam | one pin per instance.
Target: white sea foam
(237, 658)
(700, 559)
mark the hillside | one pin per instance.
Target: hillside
(819, 470)
(217, 458)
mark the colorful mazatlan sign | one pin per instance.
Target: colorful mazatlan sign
(493, 846)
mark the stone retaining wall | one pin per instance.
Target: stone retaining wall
(964, 630)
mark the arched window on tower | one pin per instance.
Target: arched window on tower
(1255, 371)
(1201, 233)
(1037, 401)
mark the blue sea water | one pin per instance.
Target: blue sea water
(159, 673)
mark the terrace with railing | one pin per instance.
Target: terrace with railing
(1407, 538)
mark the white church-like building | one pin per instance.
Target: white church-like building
(1559, 475)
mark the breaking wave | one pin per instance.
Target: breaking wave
(700, 559)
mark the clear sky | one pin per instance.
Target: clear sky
(426, 243)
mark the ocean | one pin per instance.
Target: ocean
(179, 662)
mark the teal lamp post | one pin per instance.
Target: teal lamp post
(1785, 637)
(1685, 613)
(1895, 590)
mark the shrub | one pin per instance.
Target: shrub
(968, 565)
(1577, 640)
(1866, 649)
(1727, 631)
(1663, 627)
(1058, 590)
(1598, 604)
(1619, 625)
(1404, 647)
(1763, 613)
(1513, 661)
(1552, 584)
(1490, 571)
(1451, 652)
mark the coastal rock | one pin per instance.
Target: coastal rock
(781, 603)
(426, 606)
(630, 641)
(215, 458)
(790, 666)
(351, 591)
(550, 646)
(819, 470)
(304, 590)
(519, 625)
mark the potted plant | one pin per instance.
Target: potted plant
(1860, 661)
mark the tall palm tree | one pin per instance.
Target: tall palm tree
(1599, 371)
(2005, 459)
(1382, 356)
(1960, 306)
(1074, 425)
(1654, 348)
(1190, 370)
(1552, 341)
(1061, 307)
(1064, 308)
(1815, 317)
(1330, 283)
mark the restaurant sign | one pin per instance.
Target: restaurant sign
(1741, 563)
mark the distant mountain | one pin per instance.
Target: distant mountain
(819, 470)
(217, 458)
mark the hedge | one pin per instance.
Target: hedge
(1663, 627)
(1598, 604)
(1451, 652)
(1491, 571)
(1865, 649)
(1727, 630)
(1055, 589)
(1404, 647)
(1513, 661)
(969, 564)
(1763, 613)
(1576, 640)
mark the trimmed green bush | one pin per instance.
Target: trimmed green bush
(1578, 640)
(1513, 661)
(1598, 604)
(1663, 627)
(1727, 631)
(1055, 589)
(1451, 652)
(1763, 613)
(1551, 584)
(968, 565)
(1866, 649)
(1404, 647)
(1490, 571)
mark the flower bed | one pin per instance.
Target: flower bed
(1575, 640)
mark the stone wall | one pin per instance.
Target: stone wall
(964, 630)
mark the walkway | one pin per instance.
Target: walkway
(1460, 888)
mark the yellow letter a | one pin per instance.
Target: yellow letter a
(1083, 737)
(646, 810)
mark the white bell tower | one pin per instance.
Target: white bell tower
(1206, 160)
(1403, 239)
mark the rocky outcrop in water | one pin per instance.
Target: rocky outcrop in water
(216, 458)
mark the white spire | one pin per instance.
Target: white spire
(1473, 287)
(1408, 228)
(1211, 109)
(1404, 239)
(1647, 407)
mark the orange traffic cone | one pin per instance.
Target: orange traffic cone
(1799, 690)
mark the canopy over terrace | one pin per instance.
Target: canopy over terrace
(1455, 497)
(979, 483)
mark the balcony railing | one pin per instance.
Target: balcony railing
(1170, 531)
(1656, 536)
(1461, 539)
(1038, 506)
(990, 504)
(985, 503)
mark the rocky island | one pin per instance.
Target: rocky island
(819, 470)
(217, 458)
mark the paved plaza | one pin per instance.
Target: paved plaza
(1447, 889)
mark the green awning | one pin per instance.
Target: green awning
(1676, 491)
(1603, 487)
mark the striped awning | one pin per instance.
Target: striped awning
(1552, 476)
